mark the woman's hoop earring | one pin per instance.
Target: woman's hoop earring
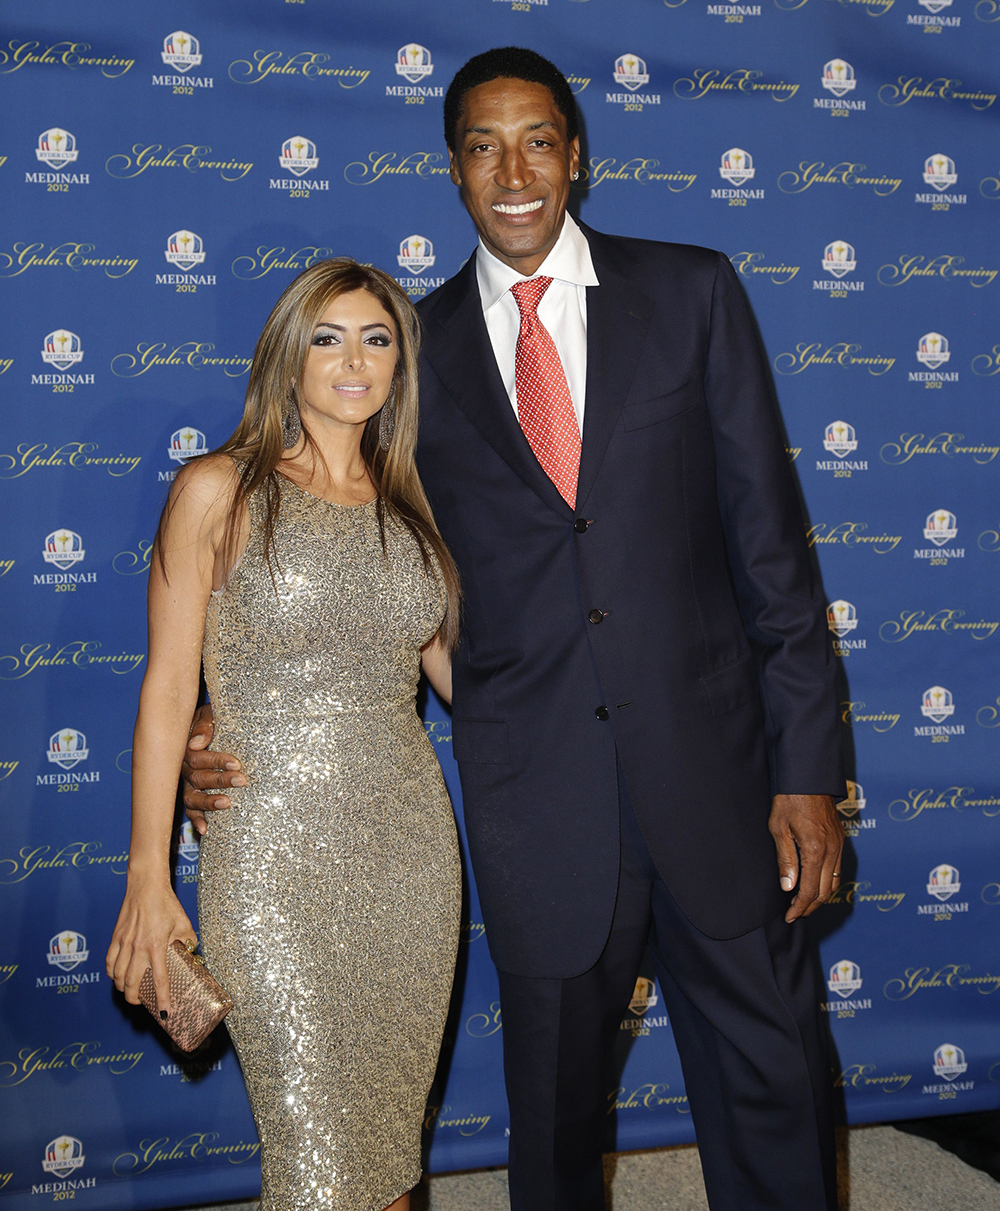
(291, 422)
(387, 420)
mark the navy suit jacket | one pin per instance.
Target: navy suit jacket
(680, 630)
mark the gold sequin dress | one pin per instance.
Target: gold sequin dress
(329, 893)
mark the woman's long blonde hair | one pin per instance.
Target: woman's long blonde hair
(275, 384)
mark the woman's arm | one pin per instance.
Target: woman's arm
(435, 660)
(179, 587)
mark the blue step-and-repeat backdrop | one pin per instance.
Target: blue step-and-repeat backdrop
(166, 170)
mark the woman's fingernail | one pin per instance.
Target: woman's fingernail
(163, 1014)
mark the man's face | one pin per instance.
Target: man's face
(513, 164)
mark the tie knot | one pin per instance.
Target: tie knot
(528, 294)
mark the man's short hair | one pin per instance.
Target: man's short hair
(515, 63)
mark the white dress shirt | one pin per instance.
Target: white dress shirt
(563, 309)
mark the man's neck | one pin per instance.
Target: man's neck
(528, 264)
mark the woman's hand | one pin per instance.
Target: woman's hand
(151, 918)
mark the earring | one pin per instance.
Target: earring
(576, 175)
(387, 420)
(291, 423)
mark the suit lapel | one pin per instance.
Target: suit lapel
(458, 348)
(617, 320)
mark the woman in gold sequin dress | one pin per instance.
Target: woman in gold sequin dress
(302, 564)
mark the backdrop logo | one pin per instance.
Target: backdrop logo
(748, 264)
(850, 811)
(746, 80)
(857, 712)
(68, 950)
(68, 747)
(265, 260)
(933, 24)
(938, 704)
(66, 54)
(848, 173)
(955, 798)
(56, 148)
(64, 548)
(63, 1156)
(309, 65)
(413, 62)
(181, 51)
(939, 172)
(942, 88)
(630, 72)
(838, 77)
(932, 350)
(643, 997)
(67, 255)
(845, 978)
(947, 266)
(840, 439)
(943, 882)
(949, 1061)
(940, 527)
(415, 254)
(184, 250)
(737, 166)
(380, 165)
(62, 349)
(945, 621)
(841, 618)
(186, 443)
(30, 456)
(298, 155)
(187, 842)
(851, 534)
(150, 355)
(838, 258)
(843, 353)
(950, 445)
(191, 156)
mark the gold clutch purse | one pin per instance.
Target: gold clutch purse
(198, 1002)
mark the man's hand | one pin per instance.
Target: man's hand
(809, 839)
(204, 771)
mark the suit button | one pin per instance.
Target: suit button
(580, 525)
(603, 713)
(596, 616)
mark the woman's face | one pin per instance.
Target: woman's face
(351, 361)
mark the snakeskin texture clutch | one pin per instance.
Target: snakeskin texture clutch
(198, 1002)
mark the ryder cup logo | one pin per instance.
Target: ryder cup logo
(62, 349)
(63, 548)
(840, 439)
(184, 250)
(938, 704)
(68, 949)
(838, 77)
(934, 6)
(298, 155)
(56, 147)
(932, 350)
(630, 72)
(187, 842)
(838, 258)
(413, 62)
(949, 1061)
(841, 618)
(939, 172)
(737, 166)
(942, 882)
(181, 51)
(63, 1155)
(644, 997)
(854, 803)
(187, 443)
(940, 527)
(845, 978)
(67, 747)
(415, 254)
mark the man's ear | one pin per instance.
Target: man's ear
(574, 156)
(453, 169)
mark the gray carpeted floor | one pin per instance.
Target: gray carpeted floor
(882, 1170)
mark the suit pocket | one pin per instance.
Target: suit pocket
(661, 407)
(483, 741)
(733, 686)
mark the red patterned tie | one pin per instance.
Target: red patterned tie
(544, 405)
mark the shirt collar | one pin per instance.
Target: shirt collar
(569, 261)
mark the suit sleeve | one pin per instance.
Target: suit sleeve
(779, 596)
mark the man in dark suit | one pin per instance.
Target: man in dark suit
(644, 702)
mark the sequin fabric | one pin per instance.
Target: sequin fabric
(329, 893)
